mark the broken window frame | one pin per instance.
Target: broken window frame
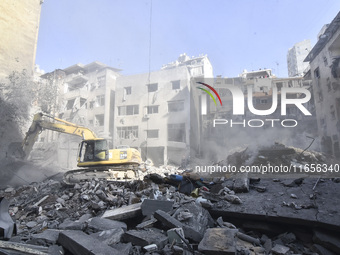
(100, 120)
(70, 104)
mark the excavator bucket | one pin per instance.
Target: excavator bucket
(7, 225)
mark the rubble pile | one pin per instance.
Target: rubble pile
(142, 217)
(173, 211)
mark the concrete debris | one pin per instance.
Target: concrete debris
(328, 241)
(218, 241)
(79, 243)
(177, 212)
(150, 206)
(124, 212)
(280, 249)
(146, 237)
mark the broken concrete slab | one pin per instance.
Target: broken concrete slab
(220, 241)
(49, 236)
(100, 224)
(25, 248)
(145, 237)
(123, 248)
(171, 222)
(268, 207)
(80, 243)
(56, 250)
(328, 241)
(72, 225)
(322, 250)
(149, 206)
(280, 249)
(124, 212)
(109, 237)
(147, 223)
(174, 235)
(241, 183)
(200, 218)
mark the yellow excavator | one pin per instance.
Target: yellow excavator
(95, 159)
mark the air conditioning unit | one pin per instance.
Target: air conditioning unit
(146, 116)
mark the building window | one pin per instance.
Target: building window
(332, 112)
(325, 61)
(91, 104)
(70, 104)
(152, 87)
(101, 81)
(100, 100)
(176, 106)
(152, 133)
(279, 85)
(99, 120)
(82, 102)
(127, 90)
(176, 84)
(176, 132)
(128, 110)
(92, 86)
(335, 85)
(317, 73)
(152, 109)
(127, 132)
(329, 85)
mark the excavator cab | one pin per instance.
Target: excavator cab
(93, 150)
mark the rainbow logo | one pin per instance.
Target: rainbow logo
(209, 93)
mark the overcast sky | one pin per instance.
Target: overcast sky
(235, 34)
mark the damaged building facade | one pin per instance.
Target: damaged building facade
(324, 59)
(150, 112)
(87, 95)
(155, 111)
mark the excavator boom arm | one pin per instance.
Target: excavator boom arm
(59, 125)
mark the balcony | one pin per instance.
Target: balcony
(76, 78)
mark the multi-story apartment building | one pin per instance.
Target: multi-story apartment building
(155, 111)
(19, 26)
(88, 97)
(325, 71)
(296, 56)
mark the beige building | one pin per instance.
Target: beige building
(19, 25)
(324, 60)
(87, 94)
(156, 112)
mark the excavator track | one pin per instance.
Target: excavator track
(123, 173)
